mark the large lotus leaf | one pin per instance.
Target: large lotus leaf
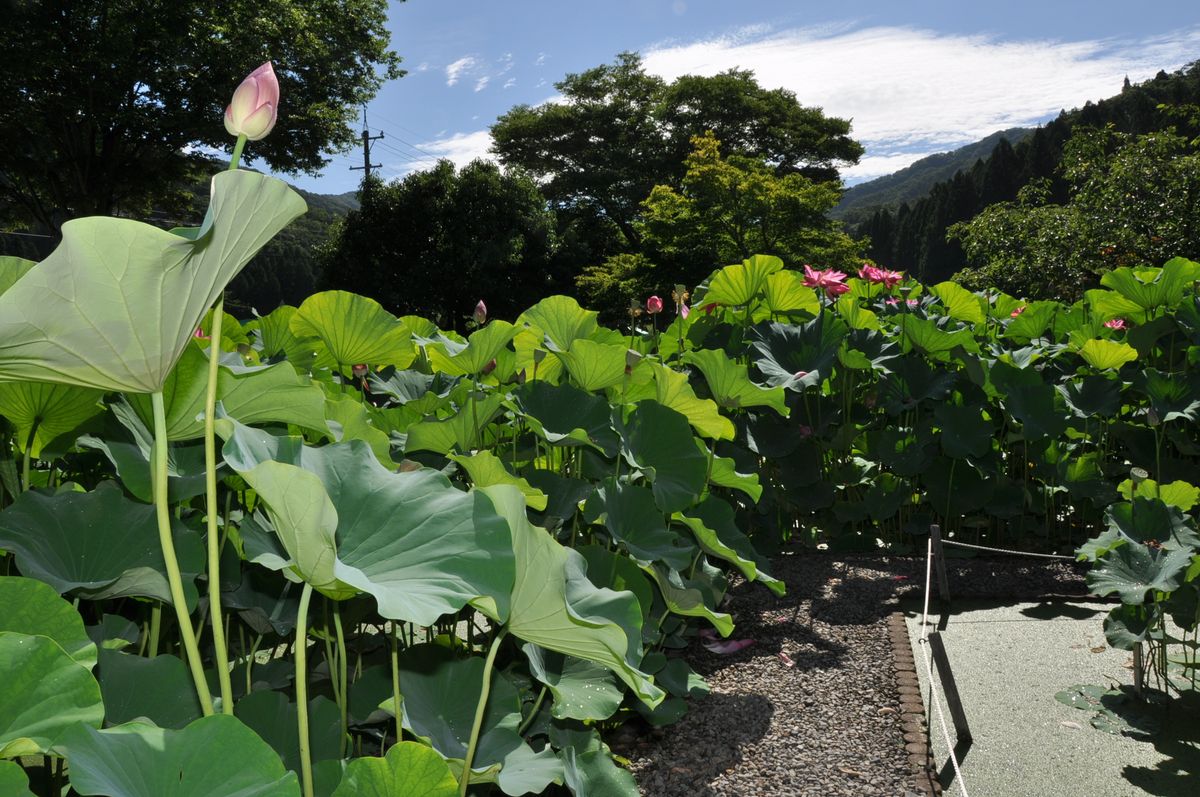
(1031, 401)
(12, 269)
(158, 689)
(554, 605)
(595, 774)
(423, 393)
(1107, 305)
(483, 346)
(1126, 626)
(785, 292)
(349, 419)
(688, 598)
(1172, 395)
(98, 544)
(273, 717)
(420, 546)
(33, 607)
(795, 357)
(128, 445)
(1083, 477)
(43, 692)
(912, 381)
(117, 301)
(582, 690)
(713, 523)
(1093, 395)
(741, 283)
(730, 384)
(1032, 322)
(924, 335)
(13, 782)
(954, 486)
(618, 572)
(1106, 354)
(903, 453)
(1132, 571)
(723, 472)
(486, 469)
(853, 313)
(463, 430)
(274, 393)
(1152, 520)
(350, 330)
(959, 302)
(531, 347)
(566, 415)
(41, 411)
(561, 320)
(277, 340)
(631, 517)
(965, 432)
(1178, 493)
(594, 366)
(1151, 288)
(868, 350)
(408, 770)
(215, 756)
(659, 441)
(674, 391)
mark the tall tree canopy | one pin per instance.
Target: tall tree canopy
(101, 100)
(436, 242)
(618, 132)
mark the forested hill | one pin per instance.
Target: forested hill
(913, 237)
(915, 181)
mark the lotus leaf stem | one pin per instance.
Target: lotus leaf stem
(395, 645)
(537, 705)
(186, 633)
(343, 693)
(480, 709)
(306, 775)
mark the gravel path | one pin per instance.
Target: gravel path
(829, 723)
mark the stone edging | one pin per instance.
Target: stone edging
(912, 709)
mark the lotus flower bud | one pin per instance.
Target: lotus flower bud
(255, 105)
(480, 314)
(654, 305)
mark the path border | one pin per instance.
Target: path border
(923, 776)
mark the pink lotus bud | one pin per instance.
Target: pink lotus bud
(491, 366)
(1018, 311)
(480, 314)
(654, 305)
(359, 370)
(1115, 323)
(684, 311)
(255, 105)
(199, 333)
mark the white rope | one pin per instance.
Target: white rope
(923, 644)
(1006, 550)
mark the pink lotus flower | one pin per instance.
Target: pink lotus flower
(480, 314)
(1116, 323)
(654, 305)
(255, 104)
(831, 281)
(684, 311)
(879, 276)
(1018, 311)
(722, 646)
(199, 334)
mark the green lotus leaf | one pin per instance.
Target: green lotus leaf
(712, 522)
(1152, 520)
(561, 320)
(13, 782)
(619, 573)
(215, 756)
(41, 411)
(687, 599)
(1127, 626)
(33, 607)
(463, 430)
(723, 472)
(1107, 305)
(659, 441)
(913, 381)
(350, 330)
(273, 717)
(408, 770)
(158, 689)
(563, 495)
(673, 391)
(12, 269)
(954, 486)
(741, 283)
(730, 384)
(1151, 288)
(116, 302)
(785, 292)
(423, 393)
(1107, 354)
(594, 366)
(274, 393)
(97, 544)
(566, 415)
(1132, 571)
(349, 419)
(595, 774)
(114, 632)
(486, 469)
(925, 336)
(582, 690)
(483, 346)
(420, 546)
(1178, 494)
(796, 357)
(1174, 395)
(43, 693)
(959, 302)
(854, 314)
(1083, 477)
(964, 430)
(1031, 401)
(554, 605)
(631, 517)
(276, 338)
(1092, 395)
(1032, 322)
(868, 350)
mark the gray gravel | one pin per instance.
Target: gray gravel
(829, 725)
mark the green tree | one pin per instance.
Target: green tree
(101, 101)
(1133, 200)
(437, 241)
(619, 132)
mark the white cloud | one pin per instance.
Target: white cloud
(912, 92)
(423, 66)
(508, 84)
(457, 69)
(541, 60)
(481, 84)
(462, 148)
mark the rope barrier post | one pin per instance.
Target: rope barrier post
(1138, 675)
(957, 713)
(939, 559)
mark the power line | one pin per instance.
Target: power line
(367, 138)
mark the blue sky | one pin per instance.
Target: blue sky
(915, 77)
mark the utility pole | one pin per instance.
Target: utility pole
(367, 138)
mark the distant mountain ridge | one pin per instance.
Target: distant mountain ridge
(915, 180)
